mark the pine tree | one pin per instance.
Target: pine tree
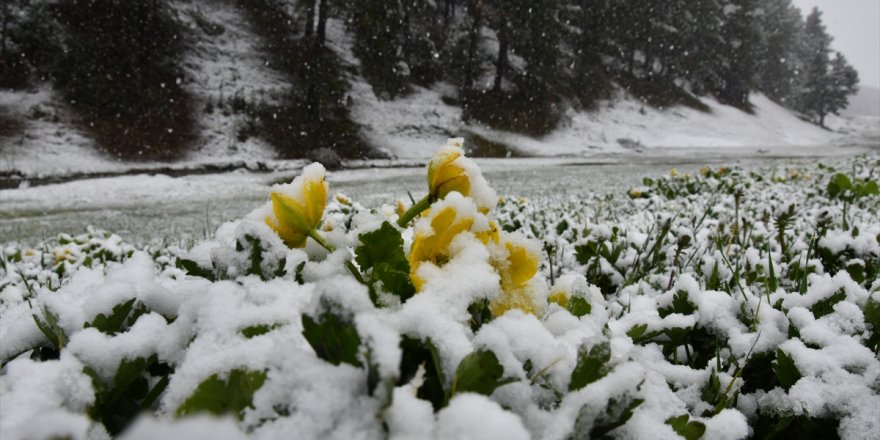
(741, 37)
(779, 65)
(827, 83)
(379, 28)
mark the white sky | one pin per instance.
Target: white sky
(855, 26)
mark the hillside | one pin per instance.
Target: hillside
(242, 73)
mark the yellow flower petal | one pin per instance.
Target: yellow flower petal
(522, 264)
(522, 298)
(433, 247)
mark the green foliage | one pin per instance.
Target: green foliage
(578, 306)
(826, 306)
(786, 427)
(616, 414)
(785, 370)
(129, 392)
(118, 320)
(381, 255)
(231, 395)
(479, 372)
(193, 269)
(872, 317)
(48, 325)
(416, 353)
(690, 430)
(333, 338)
(592, 365)
(257, 330)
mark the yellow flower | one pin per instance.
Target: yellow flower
(299, 207)
(705, 171)
(433, 246)
(342, 199)
(558, 296)
(516, 271)
(634, 193)
(444, 175)
(401, 208)
(489, 235)
(673, 172)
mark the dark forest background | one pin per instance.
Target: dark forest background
(516, 64)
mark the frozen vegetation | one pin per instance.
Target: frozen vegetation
(724, 304)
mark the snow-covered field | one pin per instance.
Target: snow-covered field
(705, 303)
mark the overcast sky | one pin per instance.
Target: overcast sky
(855, 26)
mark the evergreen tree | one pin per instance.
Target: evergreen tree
(738, 68)
(779, 65)
(120, 69)
(379, 27)
(827, 83)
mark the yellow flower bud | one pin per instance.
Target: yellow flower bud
(445, 175)
(299, 207)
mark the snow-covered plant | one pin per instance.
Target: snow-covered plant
(725, 304)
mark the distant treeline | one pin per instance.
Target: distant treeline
(516, 64)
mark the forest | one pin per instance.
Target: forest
(515, 65)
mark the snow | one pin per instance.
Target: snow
(474, 417)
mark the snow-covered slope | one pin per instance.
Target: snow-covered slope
(225, 60)
(620, 125)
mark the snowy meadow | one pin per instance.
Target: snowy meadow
(723, 304)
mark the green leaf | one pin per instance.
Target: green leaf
(416, 353)
(785, 369)
(838, 185)
(592, 365)
(578, 306)
(256, 257)
(480, 314)
(335, 340)
(688, 430)
(50, 328)
(119, 402)
(826, 306)
(616, 415)
(636, 331)
(872, 317)
(479, 372)
(113, 323)
(381, 253)
(218, 397)
(680, 304)
(257, 330)
(868, 188)
(192, 268)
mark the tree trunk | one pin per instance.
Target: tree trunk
(322, 23)
(448, 10)
(314, 68)
(467, 88)
(501, 62)
(310, 19)
(5, 29)
(147, 15)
